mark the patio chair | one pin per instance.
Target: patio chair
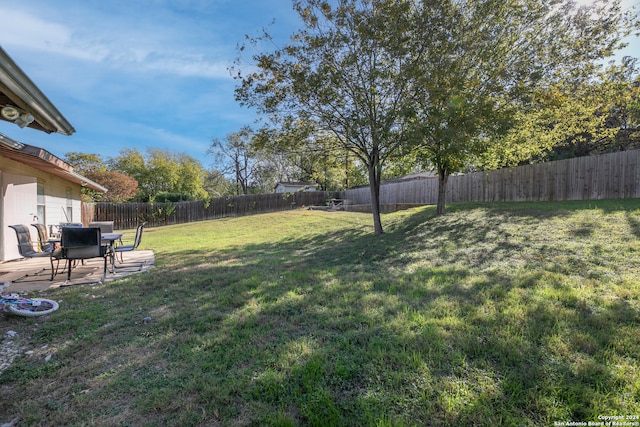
(43, 237)
(128, 248)
(83, 243)
(69, 225)
(25, 248)
(104, 226)
(24, 243)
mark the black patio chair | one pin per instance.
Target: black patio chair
(136, 242)
(43, 237)
(83, 243)
(71, 224)
(104, 226)
(25, 248)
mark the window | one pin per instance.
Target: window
(41, 205)
(69, 210)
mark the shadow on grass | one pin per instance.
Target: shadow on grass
(449, 320)
(634, 223)
(333, 332)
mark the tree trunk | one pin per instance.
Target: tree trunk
(374, 186)
(443, 177)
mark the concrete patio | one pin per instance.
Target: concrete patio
(34, 274)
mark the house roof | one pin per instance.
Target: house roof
(21, 96)
(43, 160)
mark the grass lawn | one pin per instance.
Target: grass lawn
(494, 314)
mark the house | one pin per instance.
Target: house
(292, 187)
(35, 185)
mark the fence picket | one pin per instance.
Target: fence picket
(129, 215)
(607, 176)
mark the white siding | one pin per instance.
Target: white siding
(19, 208)
(18, 202)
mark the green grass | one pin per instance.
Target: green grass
(494, 314)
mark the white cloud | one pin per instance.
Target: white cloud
(114, 44)
(24, 30)
(171, 62)
(21, 30)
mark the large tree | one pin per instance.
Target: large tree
(85, 162)
(235, 157)
(162, 173)
(345, 73)
(299, 152)
(191, 176)
(217, 185)
(490, 64)
(121, 187)
(592, 117)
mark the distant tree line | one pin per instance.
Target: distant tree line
(240, 166)
(156, 176)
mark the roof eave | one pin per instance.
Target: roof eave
(28, 97)
(43, 160)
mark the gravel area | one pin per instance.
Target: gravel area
(9, 350)
(12, 345)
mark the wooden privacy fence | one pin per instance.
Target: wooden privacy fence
(606, 176)
(128, 215)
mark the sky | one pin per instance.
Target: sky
(142, 73)
(136, 73)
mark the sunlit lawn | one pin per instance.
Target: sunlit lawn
(494, 314)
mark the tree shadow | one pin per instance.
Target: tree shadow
(634, 223)
(343, 331)
(349, 328)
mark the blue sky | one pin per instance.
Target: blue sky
(141, 73)
(136, 73)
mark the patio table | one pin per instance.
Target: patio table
(108, 239)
